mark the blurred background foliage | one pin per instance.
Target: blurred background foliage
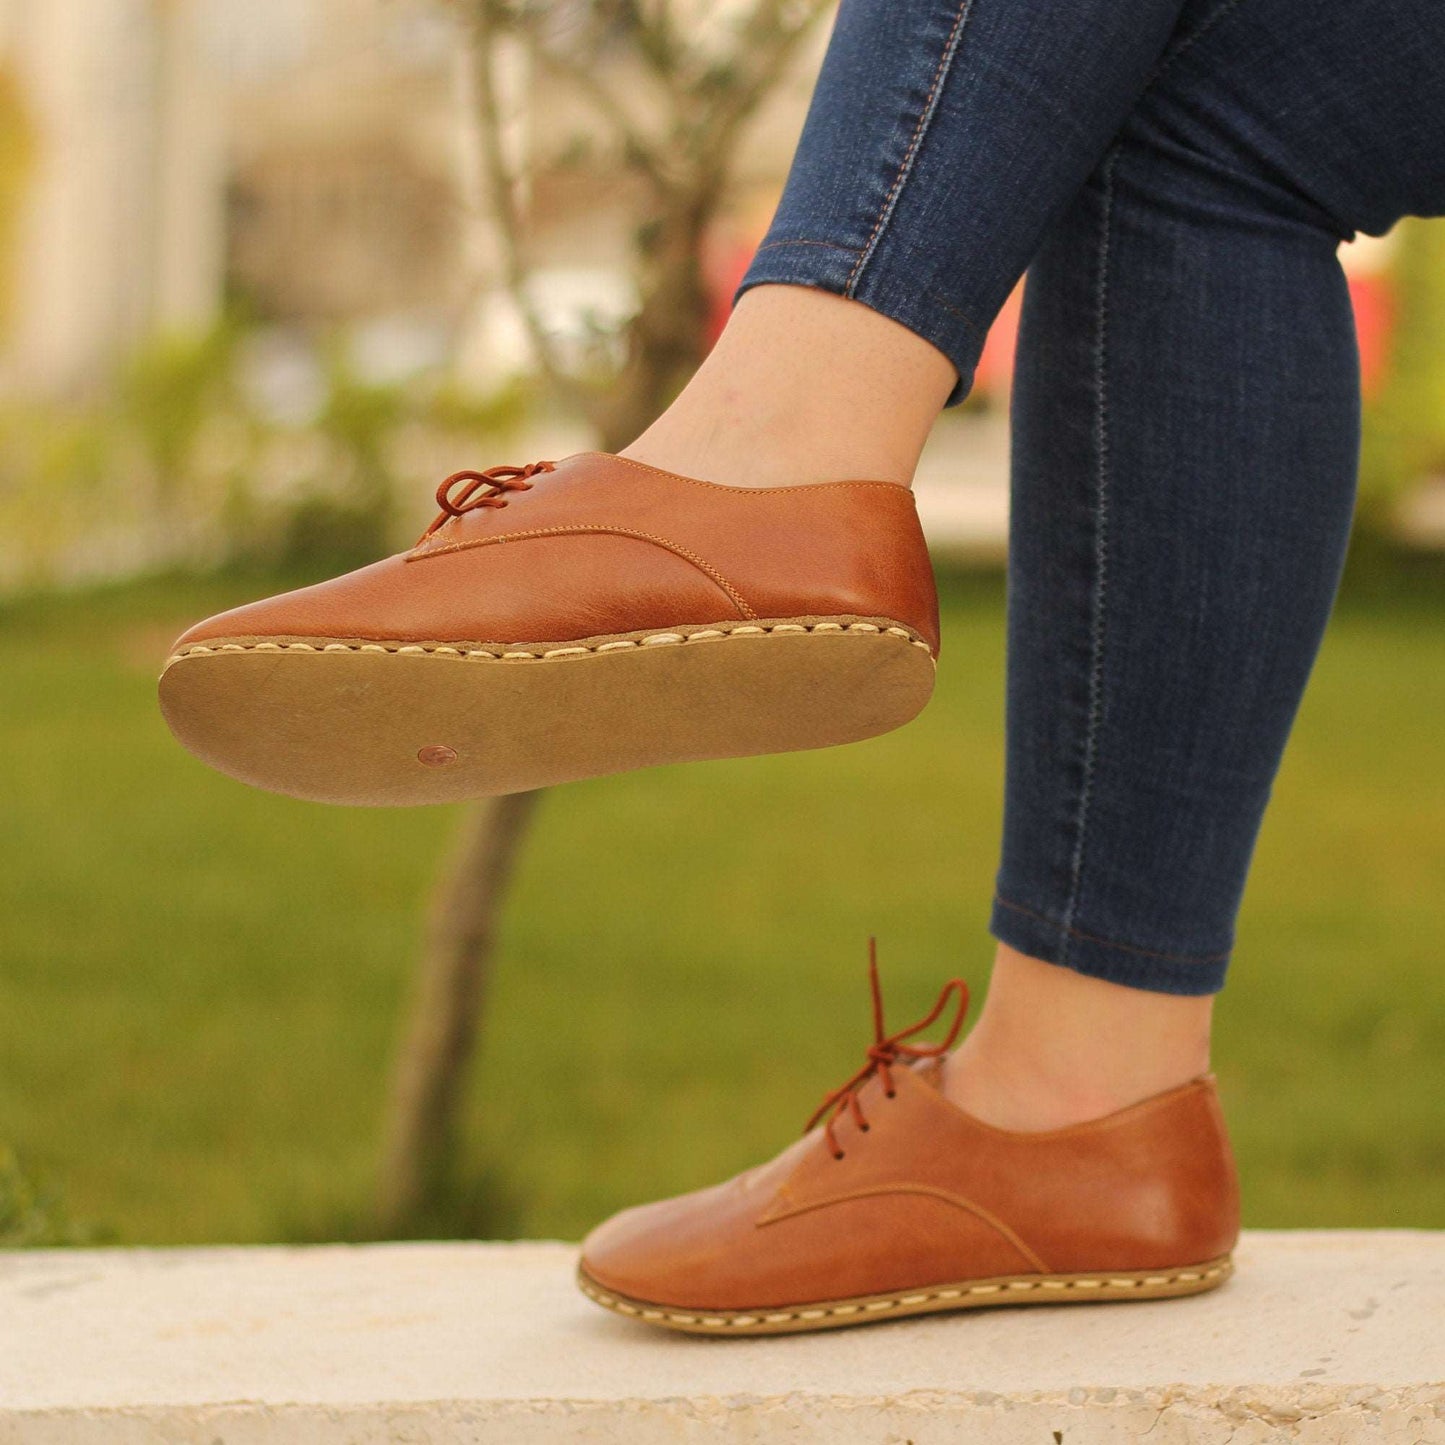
(202, 989)
(32, 1213)
(1404, 419)
(177, 466)
(203, 986)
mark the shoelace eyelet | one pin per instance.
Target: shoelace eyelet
(481, 489)
(887, 1052)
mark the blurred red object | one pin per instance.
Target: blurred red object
(996, 364)
(728, 265)
(1373, 298)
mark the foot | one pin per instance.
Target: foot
(900, 1203)
(634, 617)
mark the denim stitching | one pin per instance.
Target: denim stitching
(930, 105)
(1101, 548)
(973, 329)
(828, 245)
(1109, 942)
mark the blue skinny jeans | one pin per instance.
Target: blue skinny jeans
(1177, 176)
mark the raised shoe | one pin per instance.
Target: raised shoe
(564, 620)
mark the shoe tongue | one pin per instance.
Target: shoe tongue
(930, 1072)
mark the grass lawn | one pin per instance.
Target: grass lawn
(201, 986)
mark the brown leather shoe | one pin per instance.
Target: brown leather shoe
(564, 620)
(902, 1204)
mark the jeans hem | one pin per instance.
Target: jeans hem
(829, 266)
(1033, 933)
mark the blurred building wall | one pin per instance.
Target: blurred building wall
(311, 157)
(122, 228)
(344, 173)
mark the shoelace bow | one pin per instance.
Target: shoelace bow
(482, 489)
(888, 1050)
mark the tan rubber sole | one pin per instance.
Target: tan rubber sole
(389, 723)
(1018, 1289)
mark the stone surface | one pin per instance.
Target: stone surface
(1322, 1338)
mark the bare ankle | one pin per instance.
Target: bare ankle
(802, 386)
(1053, 1048)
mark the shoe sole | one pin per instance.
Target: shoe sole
(389, 723)
(1016, 1289)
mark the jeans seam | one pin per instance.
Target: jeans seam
(797, 241)
(1187, 42)
(920, 129)
(1101, 550)
(1087, 937)
(973, 330)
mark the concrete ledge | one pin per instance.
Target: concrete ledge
(1322, 1339)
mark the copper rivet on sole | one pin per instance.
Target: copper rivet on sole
(438, 755)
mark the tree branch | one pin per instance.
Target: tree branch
(641, 150)
(501, 189)
(768, 36)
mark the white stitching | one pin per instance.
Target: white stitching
(412, 649)
(911, 1301)
(915, 144)
(1099, 582)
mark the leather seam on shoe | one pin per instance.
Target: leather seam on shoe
(752, 491)
(676, 548)
(497, 651)
(745, 1319)
(958, 1201)
(1130, 1113)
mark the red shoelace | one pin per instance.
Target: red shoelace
(888, 1050)
(482, 489)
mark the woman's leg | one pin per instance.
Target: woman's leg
(1186, 438)
(944, 138)
(1185, 448)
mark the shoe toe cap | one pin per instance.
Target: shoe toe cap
(359, 604)
(660, 1253)
(694, 1251)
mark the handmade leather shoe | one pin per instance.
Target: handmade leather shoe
(564, 620)
(902, 1204)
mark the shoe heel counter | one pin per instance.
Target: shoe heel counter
(912, 594)
(1214, 1178)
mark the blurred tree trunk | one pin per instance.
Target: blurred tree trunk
(705, 79)
(446, 1012)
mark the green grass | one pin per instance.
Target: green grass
(201, 986)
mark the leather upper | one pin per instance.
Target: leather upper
(928, 1195)
(602, 544)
